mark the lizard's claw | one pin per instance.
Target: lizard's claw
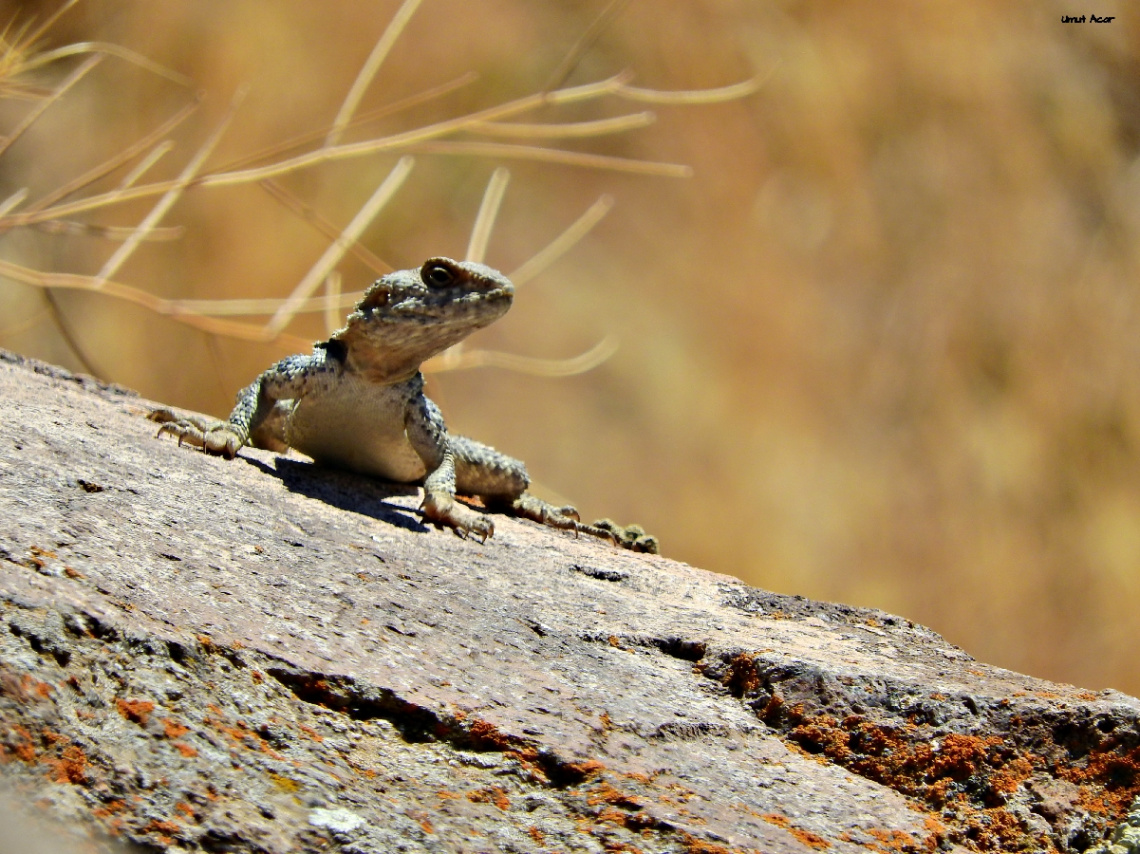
(484, 529)
(529, 507)
(212, 436)
(632, 537)
(443, 509)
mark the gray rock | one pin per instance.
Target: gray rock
(259, 655)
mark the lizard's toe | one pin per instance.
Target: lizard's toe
(185, 432)
(646, 543)
(632, 537)
(162, 415)
(483, 528)
(536, 509)
(212, 436)
(222, 441)
(443, 509)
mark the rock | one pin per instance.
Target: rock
(260, 655)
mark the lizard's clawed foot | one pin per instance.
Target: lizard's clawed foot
(529, 507)
(443, 509)
(212, 436)
(632, 537)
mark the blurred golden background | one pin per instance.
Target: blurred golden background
(881, 347)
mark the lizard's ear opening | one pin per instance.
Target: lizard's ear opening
(377, 297)
(437, 273)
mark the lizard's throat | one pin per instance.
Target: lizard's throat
(387, 361)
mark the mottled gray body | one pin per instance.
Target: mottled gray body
(358, 403)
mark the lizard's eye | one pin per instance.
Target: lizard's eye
(437, 275)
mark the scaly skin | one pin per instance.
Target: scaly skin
(357, 403)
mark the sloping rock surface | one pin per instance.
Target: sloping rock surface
(261, 655)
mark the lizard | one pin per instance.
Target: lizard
(357, 402)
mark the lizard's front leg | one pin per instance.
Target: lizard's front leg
(259, 414)
(428, 435)
(222, 438)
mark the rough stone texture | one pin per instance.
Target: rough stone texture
(260, 655)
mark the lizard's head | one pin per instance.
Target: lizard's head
(409, 316)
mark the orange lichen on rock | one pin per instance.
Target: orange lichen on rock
(585, 768)
(923, 768)
(604, 793)
(242, 735)
(25, 748)
(486, 734)
(974, 773)
(164, 830)
(109, 809)
(136, 711)
(1109, 781)
(692, 845)
(742, 677)
(491, 795)
(70, 766)
(934, 825)
(173, 729)
(812, 840)
(1009, 777)
(31, 687)
(285, 784)
(957, 756)
(893, 840)
(310, 732)
(613, 847)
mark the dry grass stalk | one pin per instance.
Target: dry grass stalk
(168, 199)
(368, 70)
(329, 231)
(50, 212)
(335, 252)
(488, 212)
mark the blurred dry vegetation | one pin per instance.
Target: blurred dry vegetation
(881, 348)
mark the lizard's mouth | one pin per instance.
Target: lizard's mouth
(442, 306)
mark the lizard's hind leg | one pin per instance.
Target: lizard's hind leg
(502, 482)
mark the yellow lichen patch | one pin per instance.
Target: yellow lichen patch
(285, 784)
